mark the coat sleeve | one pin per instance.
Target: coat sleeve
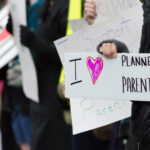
(40, 45)
(121, 47)
(3, 73)
(145, 128)
(63, 19)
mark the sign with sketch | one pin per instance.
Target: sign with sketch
(91, 75)
(88, 114)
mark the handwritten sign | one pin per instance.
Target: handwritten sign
(8, 49)
(88, 114)
(30, 86)
(125, 28)
(93, 76)
(107, 8)
(121, 27)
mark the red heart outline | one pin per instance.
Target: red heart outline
(94, 60)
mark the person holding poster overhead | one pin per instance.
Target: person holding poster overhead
(140, 110)
(48, 129)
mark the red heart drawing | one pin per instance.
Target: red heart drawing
(95, 67)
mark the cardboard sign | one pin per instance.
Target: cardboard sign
(88, 114)
(126, 28)
(8, 49)
(93, 76)
(30, 86)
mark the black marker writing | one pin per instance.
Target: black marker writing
(75, 61)
(135, 85)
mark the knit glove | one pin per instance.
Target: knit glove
(27, 36)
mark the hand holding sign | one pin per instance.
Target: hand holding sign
(90, 11)
(109, 50)
(124, 78)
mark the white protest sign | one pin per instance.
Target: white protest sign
(125, 28)
(8, 49)
(90, 75)
(30, 86)
(107, 8)
(87, 40)
(88, 114)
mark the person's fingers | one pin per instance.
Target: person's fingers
(89, 15)
(106, 49)
(113, 50)
(90, 5)
(90, 20)
(109, 50)
(100, 49)
(90, 10)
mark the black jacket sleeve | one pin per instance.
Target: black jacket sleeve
(42, 46)
(3, 73)
(38, 44)
(121, 47)
(34, 41)
(9, 25)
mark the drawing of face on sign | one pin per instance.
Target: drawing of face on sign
(95, 67)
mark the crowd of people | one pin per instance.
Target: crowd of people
(27, 125)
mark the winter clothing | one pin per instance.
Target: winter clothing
(87, 141)
(21, 125)
(141, 110)
(27, 36)
(115, 142)
(48, 129)
(33, 16)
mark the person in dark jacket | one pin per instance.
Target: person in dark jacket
(140, 110)
(6, 128)
(48, 129)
